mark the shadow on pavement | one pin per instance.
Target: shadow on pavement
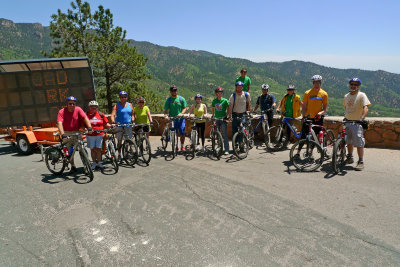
(6, 149)
(78, 177)
(327, 168)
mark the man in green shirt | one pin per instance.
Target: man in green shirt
(219, 107)
(244, 79)
(176, 106)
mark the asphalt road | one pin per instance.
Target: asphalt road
(200, 212)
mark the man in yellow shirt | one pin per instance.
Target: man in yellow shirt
(315, 104)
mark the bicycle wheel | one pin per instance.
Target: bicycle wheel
(193, 140)
(339, 155)
(310, 156)
(240, 145)
(250, 132)
(329, 142)
(145, 149)
(130, 152)
(274, 135)
(86, 163)
(164, 138)
(55, 160)
(217, 144)
(173, 143)
(112, 156)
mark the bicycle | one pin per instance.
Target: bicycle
(217, 142)
(170, 134)
(263, 123)
(193, 136)
(240, 140)
(277, 134)
(142, 142)
(312, 157)
(108, 147)
(129, 148)
(339, 148)
(57, 157)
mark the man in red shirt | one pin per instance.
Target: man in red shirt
(95, 140)
(69, 121)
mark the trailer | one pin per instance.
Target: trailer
(33, 91)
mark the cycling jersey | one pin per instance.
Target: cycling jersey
(316, 101)
(97, 122)
(199, 112)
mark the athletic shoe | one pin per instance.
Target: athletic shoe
(203, 149)
(94, 165)
(197, 147)
(226, 153)
(349, 160)
(360, 166)
(101, 166)
(183, 148)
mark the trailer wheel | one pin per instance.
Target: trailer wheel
(23, 145)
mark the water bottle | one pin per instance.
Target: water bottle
(71, 149)
(65, 149)
(321, 137)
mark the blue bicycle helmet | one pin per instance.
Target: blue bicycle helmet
(198, 96)
(355, 80)
(239, 83)
(123, 93)
(71, 98)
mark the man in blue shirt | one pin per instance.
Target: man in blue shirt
(266, 101)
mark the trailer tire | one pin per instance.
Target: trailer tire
(23, 145)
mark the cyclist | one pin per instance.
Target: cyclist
(315, 104)
(239, 104)
(122, 113)
(290, 106)
(95, 140)
(69, 121)
(219, 108)
(266, 101)
(356, 105)
(142, 115)
(176, 106)
(199, 110)
(244, 79)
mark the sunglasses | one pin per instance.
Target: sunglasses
(93, 107)
(71, 104)
(123, 97)
(290, 89)
(354, 84)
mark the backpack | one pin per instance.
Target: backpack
(245, 94)
(180, 100)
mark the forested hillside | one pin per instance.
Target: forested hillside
(201, 71)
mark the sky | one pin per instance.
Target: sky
(334, 33)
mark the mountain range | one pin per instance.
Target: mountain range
(201, 71)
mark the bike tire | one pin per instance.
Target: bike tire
(240, 145)
(173, 143)
(193, 140)
(310, 157)
(339, 155)
(130, 152)
(145, 149)
(218, 144)
(250, 132)
(112, 156)
(86, 163)
(329, 142)
(54, 156)
(164, 139)
(274, 142)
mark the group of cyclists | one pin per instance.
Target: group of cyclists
(313, 106)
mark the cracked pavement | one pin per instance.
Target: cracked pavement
(200, 212)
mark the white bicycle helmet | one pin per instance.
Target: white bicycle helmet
(316, 78)
(265, 86)
(93, 103)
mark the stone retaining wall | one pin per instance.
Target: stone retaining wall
(382, 132)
